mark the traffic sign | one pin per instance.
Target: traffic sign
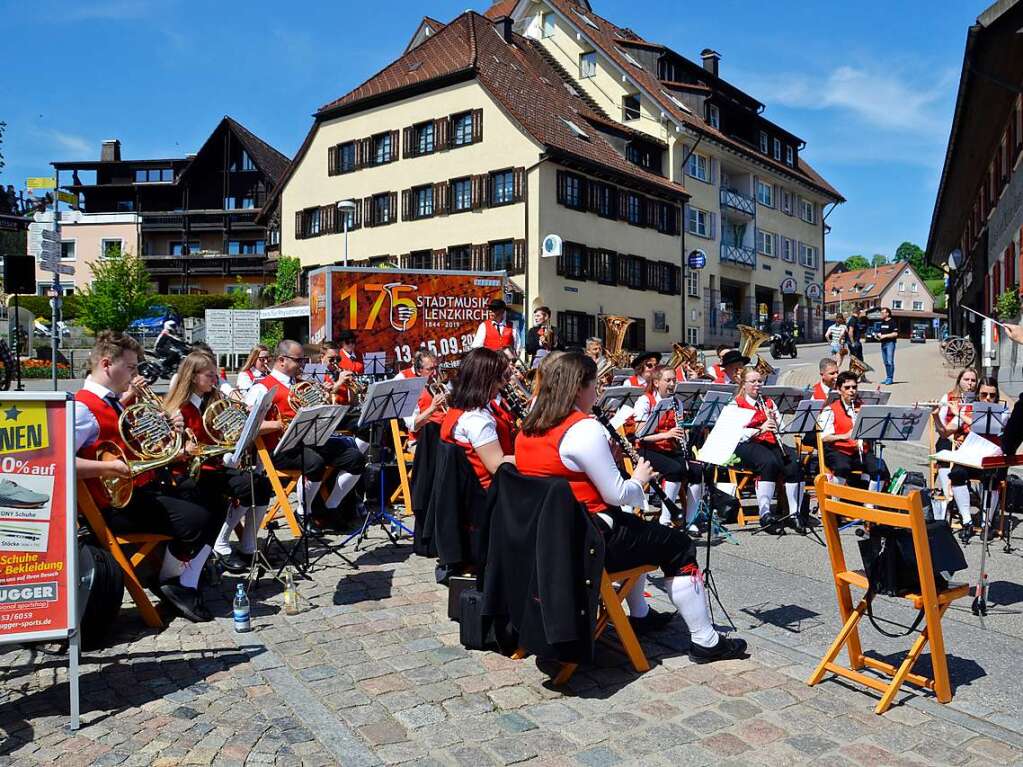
(70, 199)
(697, 259)
(814, 291)
(41, 182)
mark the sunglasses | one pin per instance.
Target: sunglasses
(987, 395)
(299, 360)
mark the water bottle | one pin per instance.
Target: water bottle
(241, 610)
(290, 594)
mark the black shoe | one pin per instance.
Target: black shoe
(966, 532)
(234, 563)
(992, 531)
(186, 601)
(727, 648)
(652, 621)
(769, 522)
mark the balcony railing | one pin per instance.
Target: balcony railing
(730, 198)
(209, 264)
(737, 254)
(198, 219)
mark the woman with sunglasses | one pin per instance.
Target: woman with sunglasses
(256, 366)
(960, 476)
(560, 439)
(952, 423)
(844, 455)
(763, 453)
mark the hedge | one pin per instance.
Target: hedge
(186, 306)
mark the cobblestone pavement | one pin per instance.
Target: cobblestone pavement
(371, 672)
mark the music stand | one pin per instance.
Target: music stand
(865, 397)
(620, 396)
(804, 417)
(311, 427)
(385, 401)
(988, 419)
(654, 416)
(785, 398)
(314, 371)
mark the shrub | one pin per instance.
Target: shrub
(36, 368)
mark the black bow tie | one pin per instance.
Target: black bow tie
(115, 403)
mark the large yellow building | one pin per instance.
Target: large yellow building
(491, 132)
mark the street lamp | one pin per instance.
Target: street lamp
(344, 208)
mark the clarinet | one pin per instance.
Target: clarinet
(683, 441)
(777, 437)
(630, 451)
(514, 403)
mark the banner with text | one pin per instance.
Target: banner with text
(394, 313)
(37, 516)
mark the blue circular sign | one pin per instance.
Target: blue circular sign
(697, 259)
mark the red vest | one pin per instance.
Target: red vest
(507, 426)
(354, 364)
(718, 373)
(539, 457)
(498, 339)
(193, 421)
(447, 433)
(281, 410)
(425, 399)
(107, 418)
(252, 376)
(635, 380)
(665, 422)
(818, 392)
(680, 374)
(759, 418)
(843, 422)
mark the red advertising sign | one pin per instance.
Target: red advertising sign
(396, 312)
(38, 546)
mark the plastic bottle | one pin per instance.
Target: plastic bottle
(241, 610)
(290, 593)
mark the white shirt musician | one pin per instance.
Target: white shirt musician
(845, 456)
(497, 332)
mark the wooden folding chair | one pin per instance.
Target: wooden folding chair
(740, 479)
(403, 457)
(281, 504)
(838, 502)
(610, 612)
(144, 544)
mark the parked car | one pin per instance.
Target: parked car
(918, 334)
(152, 323)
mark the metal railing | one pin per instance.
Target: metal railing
(731, 198)
(739, 254)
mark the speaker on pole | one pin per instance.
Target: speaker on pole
(20, 275)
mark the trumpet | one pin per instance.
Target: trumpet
(437, 388)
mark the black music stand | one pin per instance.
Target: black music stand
(987, 419)
(385, 400)
(785, 398)
(311, 427)
(620, 396)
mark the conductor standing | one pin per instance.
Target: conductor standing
(496, 333)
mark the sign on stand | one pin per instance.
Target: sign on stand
(232, 331)
(38, 540)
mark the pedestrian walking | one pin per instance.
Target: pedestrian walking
(887, 333)
(837, 335)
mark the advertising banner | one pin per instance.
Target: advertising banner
(318, 306)
(394, 313)
(38, 547)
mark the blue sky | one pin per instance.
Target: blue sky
(869, 85)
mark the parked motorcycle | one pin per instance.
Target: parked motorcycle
(783, 344)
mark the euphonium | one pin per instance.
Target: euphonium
(751, 339)
(614, 356)
(859, 367)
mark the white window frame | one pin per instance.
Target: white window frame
(763, 142)
(693, 167)
(914, 288)
(692, 336)
(544, 31)
(902, 287)
(693, 283)
(769, 202)
(896, 303)
(788, 250)
(587, 56)
(103, 245)
(918, 306)
(808, 210)
(777, 149)
(786, 201)
(807, 255)
(73, 242)
(790, 155)
(697, 214)
(639, 107)
(765, 243)
(713, 116)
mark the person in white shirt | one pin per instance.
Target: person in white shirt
(256, 366)
(496, 333)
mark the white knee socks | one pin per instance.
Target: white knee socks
(362, 445)
(171, 567)
(189, 577)
(671, 490)
(962, 498)
(995, 495)
(307, 488)
(874, 486)
(234, 516)
(694, 493)
(793, 492)
(688, 597)
(765, 494)
(636, 599)
(250, 526)
(345, 482)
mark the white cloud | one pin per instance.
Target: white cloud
(71, 143)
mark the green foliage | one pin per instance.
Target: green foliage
(1007, 304)
(937, 287)
(878, 259)
(195, 305)
(119, 293)
(855, 263)
(273, 333)
(285, 287)
(915, 255)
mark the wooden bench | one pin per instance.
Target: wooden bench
(840, 502)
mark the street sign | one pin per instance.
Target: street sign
(789, 286)
(44, 249)
(697, 259)
(40, 182)
(70, 199)
(49, 234)
(69, 269)
(232, 331)
(814, 291)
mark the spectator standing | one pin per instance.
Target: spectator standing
(857, 329)
(887, 333)
(837, 335)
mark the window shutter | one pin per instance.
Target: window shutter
(299, 231)
(332, 160)
(561, 187)
(477, 126)
(559, 262)
(590, 201)
(612, 268)
(326, 225)
(479, 191)
(403, 261)
(440, 203)
(392, 207)
(357, 154)
(367, 205)
(478, 256)
(623, 206)
(519, 180)
(368, 155)
(714, 171)
(356, 217)
(712, 225)
(406, 204)
(519, 256)
(438, 258)
(676, 280)
(408, 147)
(441, 128)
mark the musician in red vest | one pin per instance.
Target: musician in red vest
(155, 507)
(730, 367)
(828, 370)
(471, 421)
(960, 476)
(256, 366)
(342, 454)
(497, 332)
(763, 453)
(845, 456)
(560, 439)
(430, 407)
(717, 370)
(644, 365)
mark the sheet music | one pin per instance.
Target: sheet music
(622, 415)
(723, 438)
(971, 453)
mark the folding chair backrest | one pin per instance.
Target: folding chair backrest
(820, 454)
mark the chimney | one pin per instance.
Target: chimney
(711, 60)
(111, 151)
(504, 27)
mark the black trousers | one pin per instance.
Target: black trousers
(632, 542)
(233, 484)
(313, 461)
(174, 511)
(672, 466)
(847, 466)
(770, 463)
(960, 475)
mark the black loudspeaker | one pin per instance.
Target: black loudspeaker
(20, 275)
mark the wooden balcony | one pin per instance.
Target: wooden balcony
(199, 220)
(208, 265)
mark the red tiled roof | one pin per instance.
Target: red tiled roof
(500, 8)
(607, 36)
(511, 73)
(851, 284)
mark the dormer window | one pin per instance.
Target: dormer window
(777, 149)
(763, 142)
(630, 108)
(587, 65)
(790, 155)
(576, 130)
(713, 116)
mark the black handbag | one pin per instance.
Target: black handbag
(473, 627)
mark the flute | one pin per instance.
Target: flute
(631, 451)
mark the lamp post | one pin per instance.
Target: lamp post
(344, 208)
(955, 260)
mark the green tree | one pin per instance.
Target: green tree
(285, 288)
(878, 259)
(855, 263)
(3, 127)
(915, 255)
(120, 292)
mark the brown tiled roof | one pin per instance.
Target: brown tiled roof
(511, 73)
(851, 284)
(500, 8)
(607, 36)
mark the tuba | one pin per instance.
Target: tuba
(681, 355)
(750, 340)
(149, 435)
(859, 367)
(614, 356)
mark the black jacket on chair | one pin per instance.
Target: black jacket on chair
(545, 558)
(454, 514)
(422, 481)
